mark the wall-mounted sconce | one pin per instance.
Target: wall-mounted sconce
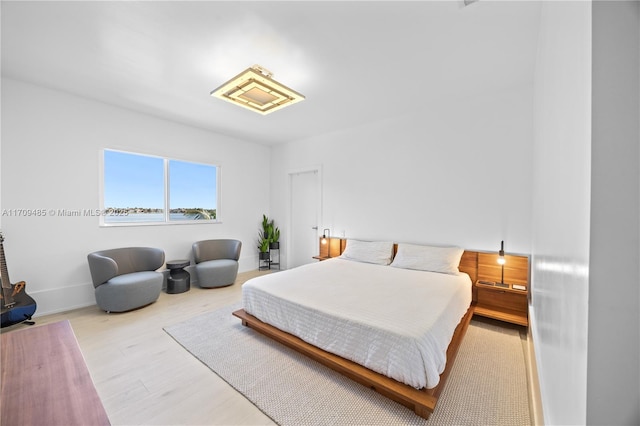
(325, 235)
(501, 262)
(325, 240)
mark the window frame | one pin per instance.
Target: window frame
(166, 191)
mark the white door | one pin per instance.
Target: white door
(305, 207)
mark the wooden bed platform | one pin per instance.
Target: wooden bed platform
(421, 401)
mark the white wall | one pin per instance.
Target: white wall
(613, 371)
(458, 172)
(585, 297)
(51, 145)
(561, 209)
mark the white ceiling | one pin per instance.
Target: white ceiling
(356, 62)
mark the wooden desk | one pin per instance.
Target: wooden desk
(45, 379)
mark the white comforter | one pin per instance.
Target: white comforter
(397, 322)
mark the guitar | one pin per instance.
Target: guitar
(17, 305)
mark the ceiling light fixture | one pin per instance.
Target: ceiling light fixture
(254, 89)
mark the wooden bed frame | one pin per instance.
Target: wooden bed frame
(421, 401)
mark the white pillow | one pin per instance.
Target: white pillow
(378, 252)
(428, 258)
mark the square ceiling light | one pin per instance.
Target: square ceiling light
(254, 89)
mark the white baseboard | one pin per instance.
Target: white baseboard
(53, 301)
(248, 263)
(533, 380)
(56, 300)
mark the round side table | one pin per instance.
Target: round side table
(179, 280)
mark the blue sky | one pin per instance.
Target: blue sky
(132, 180)
(192, 185)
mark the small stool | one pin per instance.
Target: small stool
(179, 280)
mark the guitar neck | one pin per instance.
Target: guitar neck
(4, 275)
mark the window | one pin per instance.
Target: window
(192, 191)
(143, 189)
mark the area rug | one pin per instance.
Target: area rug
(487, 385)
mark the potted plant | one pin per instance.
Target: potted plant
(264, 238)
(270, 232)
(263, 246)
(265, 226)
(274, 242)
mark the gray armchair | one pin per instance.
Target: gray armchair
(125, 278)
(216, 262)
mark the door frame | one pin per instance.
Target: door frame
(290, 174)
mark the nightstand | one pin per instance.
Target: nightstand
(499, 301)
(502, 303)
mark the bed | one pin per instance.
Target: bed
(391, 327)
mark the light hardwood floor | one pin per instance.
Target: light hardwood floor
(143, 376)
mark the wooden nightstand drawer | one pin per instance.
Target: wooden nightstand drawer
(502, 299)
